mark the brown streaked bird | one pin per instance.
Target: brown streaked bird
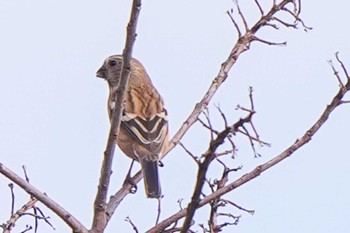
(143, 132)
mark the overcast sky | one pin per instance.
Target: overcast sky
(54, 116)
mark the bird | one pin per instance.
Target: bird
(144, 130)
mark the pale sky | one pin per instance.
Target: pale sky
(54, 115)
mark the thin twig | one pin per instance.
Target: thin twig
(304, 139)
(12, 199)
(28, 228)
(159, 210)
(48, 202)
(226, 152)
(209, 156)
(336, 73)
(342, 66)
(25, 173)
(255, 38)
(15, 216)
(252, 212)
(235, 220)
(242, 15)
(36, 222)
(208, 127)
(255, 138)
(222, 115)
(46, 219)
(291, 25)
(195, 158)
(252, 145)
(235, 24)
(297, 18)
(345, 102)
(260, 8)
(127, 219)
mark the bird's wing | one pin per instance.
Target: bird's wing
(150, 133)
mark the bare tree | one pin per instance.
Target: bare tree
(274, 17)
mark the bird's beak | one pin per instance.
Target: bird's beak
(101, 73)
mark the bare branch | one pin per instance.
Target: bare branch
(241, 14)
(51, 204)
(235, 24)
(298, 8)
(234, 218)
(195, 158)
(127, 219)
(342, 66)
(101, 217)
(297, 18)
(255, 138)
(239, 207)
(222, 115)
(240, 47)
(36, 221)
(46, 219)
(12, 199)
(345, 102)
(209, 155)
(335, 102)
(336, 73)
(291, 25)
(255, 38)
(35, 216)
(159, 210)
(28, 228)
(260, 8)
(208, 126)
(274, 26)
(252, 145)
(15, 216)
(25, 173)
(218, 154)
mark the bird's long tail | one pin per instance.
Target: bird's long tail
(151, 178)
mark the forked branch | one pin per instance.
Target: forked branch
(241, 46)
(336, 101)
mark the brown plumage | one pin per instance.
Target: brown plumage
(143, 133)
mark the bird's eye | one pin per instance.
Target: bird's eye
(112, 63)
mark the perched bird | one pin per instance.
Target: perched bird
(143, 132)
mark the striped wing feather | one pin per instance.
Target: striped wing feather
(150, 133)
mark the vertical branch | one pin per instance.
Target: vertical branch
(203, 168)
(100, 216)
(12, 199)
(239, 48)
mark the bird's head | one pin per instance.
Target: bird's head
(111, 69)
